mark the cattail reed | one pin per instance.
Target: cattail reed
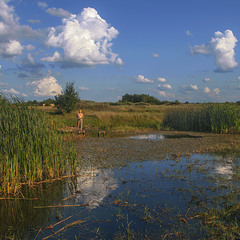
(216, 118)
(30, 147)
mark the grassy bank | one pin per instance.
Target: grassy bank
(30, 148)
(214, 118)
(119, 118)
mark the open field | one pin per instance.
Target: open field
(116, 118)
(217, 118)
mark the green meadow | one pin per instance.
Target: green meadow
(212, 117)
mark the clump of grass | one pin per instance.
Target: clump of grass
(223, 223)
(30, 148)
(217, 118)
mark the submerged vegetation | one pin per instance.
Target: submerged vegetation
(30, 148)
(216, 118)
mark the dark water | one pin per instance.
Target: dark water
(143, 200)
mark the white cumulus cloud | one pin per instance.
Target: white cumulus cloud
(142, 79)
(162, 93)
(11, 49)
(42, 4)
(47, 86)
(85, 40)
(165, 86)
(11, 32)
(3, 84)
(188, 89)
(162, 80)
(207, 90)
(188, 33)
(29, 47)
(194, 87)
(207, 80)
(58, 12)
(11, 91)
(215, 92)
(83, 89)
(34, 21)
(222, 47)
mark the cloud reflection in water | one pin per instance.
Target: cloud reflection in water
(95, 185)
(149, 136)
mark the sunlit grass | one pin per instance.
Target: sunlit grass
(217, 118)
(104, 116)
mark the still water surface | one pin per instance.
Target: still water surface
(142, 200)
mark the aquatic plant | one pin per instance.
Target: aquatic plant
(223, 223)
(216, 118)
(30, 148)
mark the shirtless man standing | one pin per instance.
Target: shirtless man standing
(80, 119)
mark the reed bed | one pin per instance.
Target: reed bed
(216, 118)
(30, 148)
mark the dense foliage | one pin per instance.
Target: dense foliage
(217, 118)
(145, 98)
(136, 98)
(69, 98)
(30, 147)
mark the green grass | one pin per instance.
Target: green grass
(30, 147)
(105, 116)
(216, 118)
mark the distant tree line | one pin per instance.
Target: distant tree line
(144, 98)
(69, 99)
(46, 102)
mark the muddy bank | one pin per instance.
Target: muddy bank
(118, 151)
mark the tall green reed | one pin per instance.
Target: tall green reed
(216, 118)
(30, 147)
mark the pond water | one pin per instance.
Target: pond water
(155, 136)
(151, 199)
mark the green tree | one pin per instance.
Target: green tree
(67, 100)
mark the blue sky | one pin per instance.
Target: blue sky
(173, 50)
